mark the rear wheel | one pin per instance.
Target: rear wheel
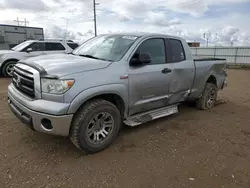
(208, 98)
(8, 68)
(95, 126)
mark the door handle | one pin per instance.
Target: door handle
(166, 71)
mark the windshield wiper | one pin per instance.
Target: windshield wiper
(89, 56)
(93, 57)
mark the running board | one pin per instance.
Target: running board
(150, 115)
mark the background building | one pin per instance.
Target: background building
(194, 44)
(11, 35)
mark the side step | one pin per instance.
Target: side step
(151, 115)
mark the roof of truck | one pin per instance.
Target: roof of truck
(142, 34)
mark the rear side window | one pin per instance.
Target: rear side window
(53, 46)
(176, 51)
(156, 48)
(73, 45)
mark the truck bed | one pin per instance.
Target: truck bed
(208, 59)
(209, 66)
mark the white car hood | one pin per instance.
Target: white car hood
(6, 52)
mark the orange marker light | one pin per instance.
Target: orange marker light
(70, 83)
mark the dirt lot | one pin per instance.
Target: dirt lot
(191, 149)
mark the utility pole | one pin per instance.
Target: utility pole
(206, 38)
(216, 37)
(25, 22)
(17, 21)
(94, 4)
(66, 30)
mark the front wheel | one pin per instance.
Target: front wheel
(208, 98)
(8, 68)
(95, 126)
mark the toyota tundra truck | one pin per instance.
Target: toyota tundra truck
(111, 80)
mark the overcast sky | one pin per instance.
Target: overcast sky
(223, 21)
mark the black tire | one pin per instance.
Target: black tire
(206, 101)
(5, 68)
(83, 119)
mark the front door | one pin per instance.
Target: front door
(38, 48)
(149, 84)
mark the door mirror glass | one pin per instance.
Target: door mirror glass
(29, 50)
(140, 58)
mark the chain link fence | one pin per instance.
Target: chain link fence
(238, 56)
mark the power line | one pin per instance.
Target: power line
(21, 23)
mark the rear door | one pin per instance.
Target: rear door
(54, 48)
(149, 84)
(183, 71)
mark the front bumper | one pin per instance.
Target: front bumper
(60, 124)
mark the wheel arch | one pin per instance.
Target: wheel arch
(116, 97)
(212, 80)
(4, 63)
(113, 98)
(7, 60)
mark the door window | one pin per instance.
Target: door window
(54, 46)
(176, 51)
(156, 49)
(36, 46)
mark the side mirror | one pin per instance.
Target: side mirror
(143, 58)
(29, 50)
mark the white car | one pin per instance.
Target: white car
(31, 48)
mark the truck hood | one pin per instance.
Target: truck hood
(6, 52)
(65, 64)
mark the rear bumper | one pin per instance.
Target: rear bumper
(58, 125)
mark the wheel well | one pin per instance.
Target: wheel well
(8, 61)
(212, 80)
(114, 99)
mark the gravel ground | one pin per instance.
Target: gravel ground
(191, 149)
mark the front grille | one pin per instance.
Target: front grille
(23, 80)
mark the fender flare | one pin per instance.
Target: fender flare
(118, 89)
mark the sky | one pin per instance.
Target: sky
(224, 22)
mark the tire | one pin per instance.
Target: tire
(88, 120)
(208, 98)
(8, 68)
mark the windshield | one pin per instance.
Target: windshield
(21, 46)
(109, 48)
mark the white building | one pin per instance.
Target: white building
(11, 35)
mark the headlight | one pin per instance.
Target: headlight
(56, 86)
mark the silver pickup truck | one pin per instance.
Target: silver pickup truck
(129, 78)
